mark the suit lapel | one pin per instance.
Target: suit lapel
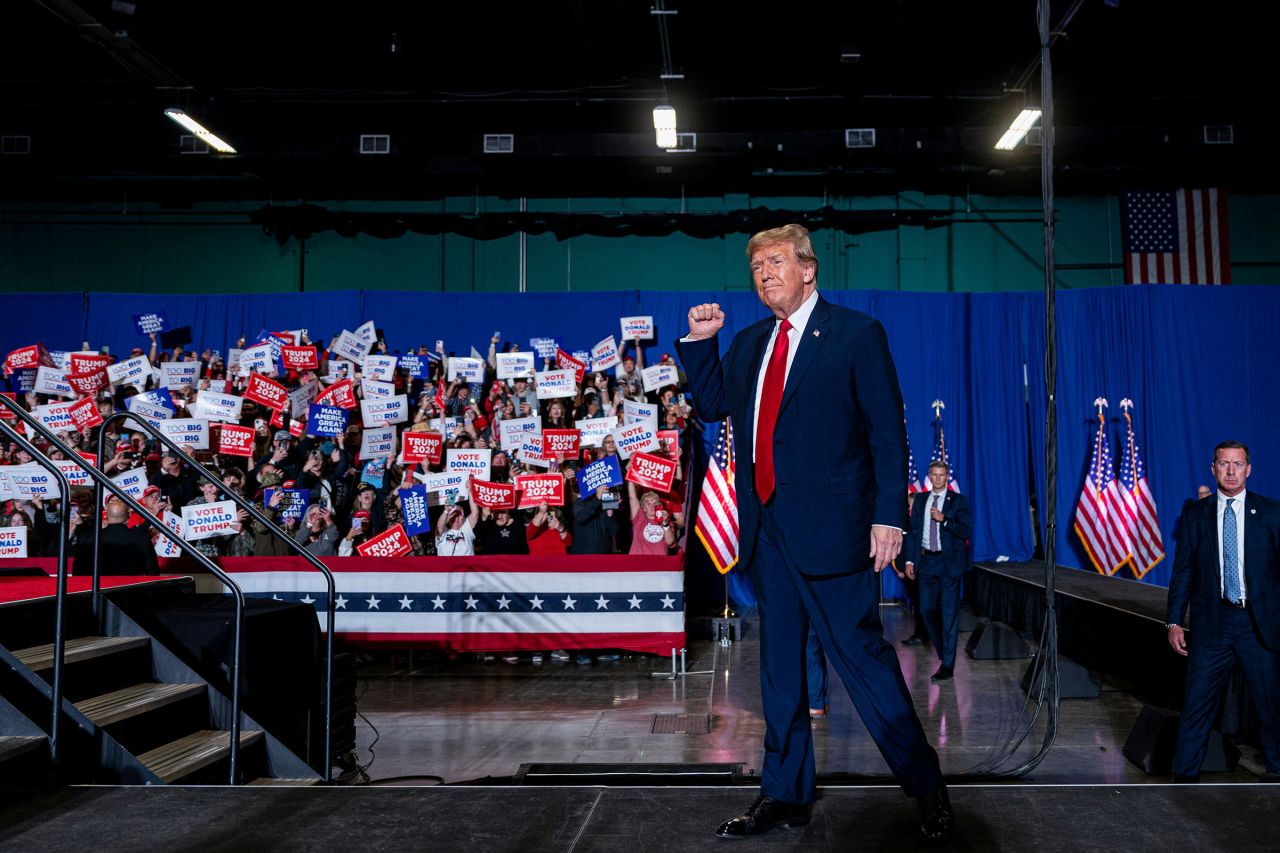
(1254, 540)
(815, 335)
(1211, 519)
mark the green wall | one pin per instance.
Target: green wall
(212, 248)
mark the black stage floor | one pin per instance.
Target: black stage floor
(1130, 596)
(578, 820)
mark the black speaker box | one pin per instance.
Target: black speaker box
(1151, 741)
(996, 641)
(1074, 681)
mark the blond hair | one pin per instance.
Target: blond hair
(794, 234)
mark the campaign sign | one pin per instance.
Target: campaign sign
(634, 438)
(640, 413)
(218, 386)
(380, 367)
(286, 339)
(73, 471)
(637, 328)
(388, 543)
(165, 546)
(153, 405)
(337, 369)
(25, 379)
(514, 365)
(593, 430)
(339, 394)
(203, 521)
(514, 431)
(29, 481)
(148, 324)
(544, 347)
(584, 357)
(493, 495)
(531, 451)
(86, 362)
(606, 472)
(84, 414)
(259, 358)
(326, 420)
(90, 382)
(56, 417)
(419, 446)
(669, 442)
(473, 461)
(293, 502)
(417, 366)
(235, 440)
(413, 505)
(604, 355)
(556, 383)
(367, 331)
(23, 357)
(5, 413)
(271, 394)
(52, 381)
(564, 361)
(373, 388)
(132, 482)
(374, 472)
(447, 481)
(233, 361)
(351, 347)
(659, 376)
(179, 374)
(299, 358)
(391, 410)
(214, 406)
(13, 542)
(300, 398)
(651, 472)
(297, 428)
(540, 488)
(466, 369)
(377, 443)
(559, 442)
(187, 433)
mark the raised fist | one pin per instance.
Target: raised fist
(705, 320)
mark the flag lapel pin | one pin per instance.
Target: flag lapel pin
(817, 334)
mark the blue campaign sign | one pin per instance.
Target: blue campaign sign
(373, 472)
(156, 321)
(24, 379)
(413, 503)
(417, 366)
(326, 420)
(607, 472)
(158, 397)
(293, 504)
(544, 347)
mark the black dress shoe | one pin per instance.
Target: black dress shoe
(763, 815)
(943, 673)
(913, 640)
(937, 822)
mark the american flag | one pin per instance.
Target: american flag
(717, 524)
(1140, 507)
(1176, 237)
(914, 484)
(940, 454)
(1100, 513)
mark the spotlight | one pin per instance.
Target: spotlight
(199, 130)
(664, 125)
(1018, 129)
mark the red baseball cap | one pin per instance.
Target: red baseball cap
(150, 490)
(287, 484)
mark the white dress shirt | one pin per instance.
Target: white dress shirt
(936, 499)
(1238, 509)
(799, 320)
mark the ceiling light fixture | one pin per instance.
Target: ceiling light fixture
(1018, 129)
(200, 131)
(664, 125)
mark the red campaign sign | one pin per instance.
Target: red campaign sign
(299, 358)
(90, 382)
(560, 442)
(277, 418)
(564, 361)
(91, 458)
(262, 390)
(285, 337)
(23, 357)
(422, 445)
(297, 428)
(540, 488)
(493, 495)
(88, 362)
(338, 394)
(389, 543)
(651, 472)
(669, 440)
(84, 414)
(5, 414)
(235, 440)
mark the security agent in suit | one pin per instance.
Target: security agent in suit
(1227, 571)
(821, 485)
(937, 556)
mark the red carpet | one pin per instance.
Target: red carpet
(29, 589)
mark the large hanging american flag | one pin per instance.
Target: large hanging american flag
(940, 453)
(1177, 237)
(1139, 504)
(1100, 512)
(717, 524)
(914, 484)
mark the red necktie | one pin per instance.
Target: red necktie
(775, 377)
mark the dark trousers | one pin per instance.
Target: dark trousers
(918, 628)
(844, 612)
(1209, 664)
(940, 606)
(815, 671)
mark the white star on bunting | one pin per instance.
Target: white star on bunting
(341, 603)
(535, 603)
(569, 602)
(307, 599)
(471, 602)
(373, 602)
(503, 602)
(438, 602)
(406, 603)
(667, 602)
(602, 603)
(634, 601)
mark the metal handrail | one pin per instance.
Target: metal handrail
(60, 595)
(261, 518)
(102, 481)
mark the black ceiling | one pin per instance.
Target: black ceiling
(293, 84)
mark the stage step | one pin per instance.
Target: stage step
(189, 754)
(38, 658)
(267, 780)
(131, 701)
(11, 747)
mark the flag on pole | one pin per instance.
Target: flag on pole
(1139, 504)
(940, 453)
(717, 524)
(1177, 237)
(914, 484)
(1100, 513)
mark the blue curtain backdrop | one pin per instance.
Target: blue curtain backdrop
(1195, 361)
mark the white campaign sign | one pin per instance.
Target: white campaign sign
(637, 328)
(593, 430)
(444, 482)
(531, 451)
(71, 469)
(55, 416)
(50, 380)
(605, 355)
(466, 369)
(375, 389)
(258, 359)
(640, 413)
(203, 521)
(514, 431)
(367, 332)
(556, 383)
(180, 374)
(351, 347)
(300, 398)
(149, 410)
(213, 406)
(134, 372)
(13, 542)
(132, 482)
(165, 546)
(472, 461)
(26, 482)
(187, 433)
(390, 410)
(659, 375)
(449, 427)
(380, 367)
(375, 443)
(634, 438)
(514, 365)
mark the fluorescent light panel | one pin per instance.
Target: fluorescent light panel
(664, 125)
(200, 131)
(1024, 122)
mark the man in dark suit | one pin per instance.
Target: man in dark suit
(1227, 570)
(937, 555)
(821, 483)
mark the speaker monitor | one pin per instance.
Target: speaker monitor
(1151, 742)
(1074, 681)
(996, 641)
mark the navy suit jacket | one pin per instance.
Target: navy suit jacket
(1197, 573)
(953, 536)
(840, 447)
